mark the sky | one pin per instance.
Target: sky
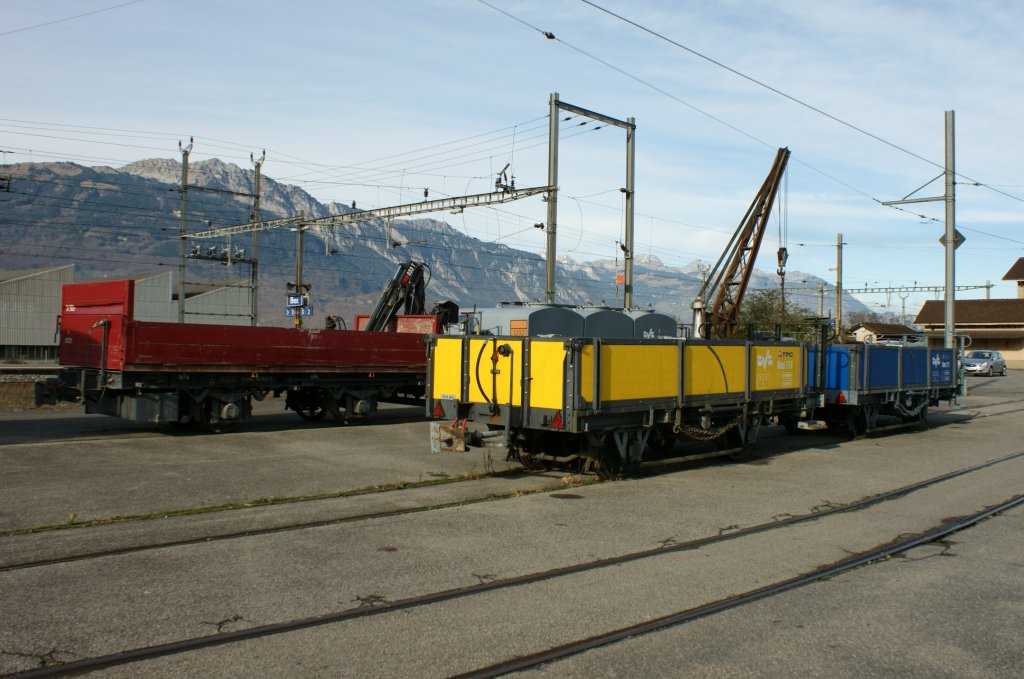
(376, 102)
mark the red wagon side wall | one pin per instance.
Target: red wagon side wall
(91, 310)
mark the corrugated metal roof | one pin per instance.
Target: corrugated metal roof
(26, 273)
(30, 300)
(995, 333)
(134, 277)
(200, 288)
(889, 329)
(969, 311)
(986, 333)
(1016, 272)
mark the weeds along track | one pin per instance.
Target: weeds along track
(523, 662)
(557, 481)
(653, 467)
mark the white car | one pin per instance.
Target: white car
(984, 362)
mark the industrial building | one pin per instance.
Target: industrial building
(996, 324)
(30, 307)
(217, 302)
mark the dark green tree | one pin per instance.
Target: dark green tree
(762, 311)
(857, 317)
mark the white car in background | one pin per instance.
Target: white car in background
(984, 362)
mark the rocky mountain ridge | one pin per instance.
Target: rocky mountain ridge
(122, 221)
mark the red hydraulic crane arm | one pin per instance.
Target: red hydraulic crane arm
(727, 282)
(406, 287)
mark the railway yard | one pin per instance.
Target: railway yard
(287, 547)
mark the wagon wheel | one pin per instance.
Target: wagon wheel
(744, 454)
(918, 415)
(530, 461)
(607, 463)
(745, 440)
(312, 413)
(922, 419)
(660, 442)
(732, 440)
(856, 423)
(791, 423)
(202, 413)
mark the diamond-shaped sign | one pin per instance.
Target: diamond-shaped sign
(958, 239)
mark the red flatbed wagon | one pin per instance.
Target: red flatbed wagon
(209, 374)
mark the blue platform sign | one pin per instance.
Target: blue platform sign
(294, 300)
(299, 311)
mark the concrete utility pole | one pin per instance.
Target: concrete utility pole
(182, 227)
(951, 239)
(255, 252)
(839, 283)
(903, 307)
(549, 287)
(627, 288)
(951, 233)
(298, 268)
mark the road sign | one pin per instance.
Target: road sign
(298, 311)
(958, 239)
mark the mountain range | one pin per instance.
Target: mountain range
(117, 222)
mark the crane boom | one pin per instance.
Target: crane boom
(727, 282)
(406, 287)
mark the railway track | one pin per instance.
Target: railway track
(681, 617)
(563, 650)
(653, 467)
(253, 532)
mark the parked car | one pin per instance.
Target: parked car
(984, 362)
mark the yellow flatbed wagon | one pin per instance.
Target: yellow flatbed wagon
(609, 400)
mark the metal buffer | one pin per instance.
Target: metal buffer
(727, 282)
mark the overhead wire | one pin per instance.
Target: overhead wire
(31, 241)
(687, 104)
(551, 36)
(580, 282)
(76, 226)
(440, 163)
(163, 136)
(790, 97)
(432, 147)
(240, 211)
(69, 18)
(710, 228)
